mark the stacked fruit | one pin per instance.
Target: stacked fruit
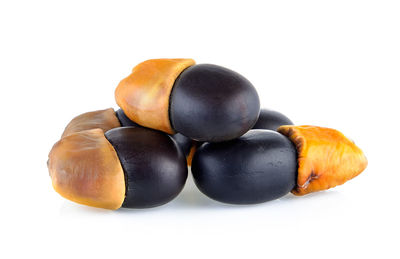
(175, 113)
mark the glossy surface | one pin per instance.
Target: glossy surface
(124, 120)
(257, 167)
(102, 119)
(271, 120)
(154, 166)
(326, 158)
(145, 94)
(185, 143)
(212, 103)
(85, 168)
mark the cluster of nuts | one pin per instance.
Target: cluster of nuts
(174, 114)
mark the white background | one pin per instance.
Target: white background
(328, 63)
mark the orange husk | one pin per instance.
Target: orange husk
(102, 119)
(189, 157)
(144, 95)
(84, 168)
(326, 158)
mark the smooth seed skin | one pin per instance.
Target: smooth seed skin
(184, 142)
(154, 166)
(124, 120)
(212, 103)
(257, 167)
(271, 120)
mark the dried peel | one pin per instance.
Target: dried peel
(144, 95)
(85, 168)
(326, 158)
(189, 157)
(102, 119)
